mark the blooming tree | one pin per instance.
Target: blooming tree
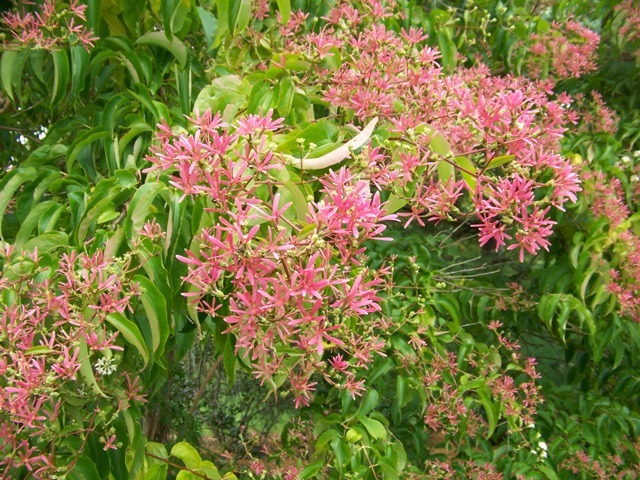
(372, 210)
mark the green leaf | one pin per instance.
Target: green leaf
(324, 439)
(284, 7)
(36, 62)
(183, 84)
(311, 470)
(209, 25)
(60, 76)
(244, 16)
(157, 449)
(300, 203)
(7, 71)
(227, 95)
(156, 471)
(189, 455)
(548, 471)
(222, 9)
(332, 154)
(489, 410)
(110, 11)
(447, 49)
(132, 12)
(381, 369)
(45, 154)
(440, 146)
(10, 184)
(79, 61)
(135, 130)
(143, 95)
(468, 172)
(401, 390)
(86, 371)
(155, 307)
(321, 132)
(585, 283)
(131, 334)
(389, 468)
(293, 61)
(394, 203)
(285, 98)
(175, 46)
(83, 469)
(353, 435)
(401, 456)
(369, 403)
(186, 475)
(39, 350)
(166, 10)
(229, 359)
(341, 451)
(499, 161)
(257, 97)
(92, 216)
(83, 140)
(30, 223)
(448, 304)
(374, 427)
(11, 67)
(209, 470)
(107, 215)
(562, 319)
(113, 111)
(542, 26)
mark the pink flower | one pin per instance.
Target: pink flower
(533, 233)
(69, 365)
(492, 229)
(109, 443)
(566, 185)
(48, 28)
(354, 387)
(338, 363)
(295, 23)
(302, 389)
(246, 126)
(569, 47)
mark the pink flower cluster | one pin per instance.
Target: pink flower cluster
(292, 275)
(567, 50)
(447, 469)
(630, 28)
(49, 28)
(613, 466)
(453, 410)
(504, 131)
(47, 318)
(606, 196)
(595, 116)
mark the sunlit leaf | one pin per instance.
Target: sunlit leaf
(131, 334)
(175, 46)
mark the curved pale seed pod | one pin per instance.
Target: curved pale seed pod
(337, 155)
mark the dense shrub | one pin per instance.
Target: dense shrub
(304, 239)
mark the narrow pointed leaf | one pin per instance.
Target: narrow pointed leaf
(131, 334)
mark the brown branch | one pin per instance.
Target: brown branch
(203, 385)
(175, 465)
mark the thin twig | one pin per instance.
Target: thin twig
(175, 465)
(203, 385)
